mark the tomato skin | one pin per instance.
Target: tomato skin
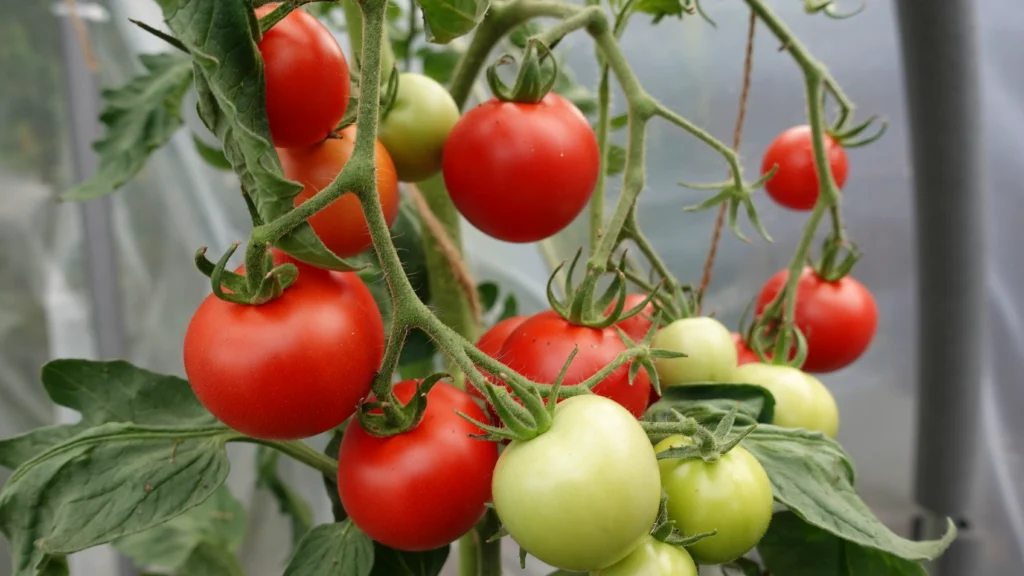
(307, 79)
(341, 226)
(437, 479)
(795, 184)
(636, 327)
(652, 558)
(417, 126)
(711, 354)
(521, 172)
(837, 318)
(582, 495)
(801, 400)
(291, 368)
(744, 355)
(539, 347)
(732, 495)
(491, 342)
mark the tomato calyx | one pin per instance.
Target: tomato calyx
(533, 81)
(828, 8)
(838, 257)
(665, 529)
(698, 441)
(391, 417)
(261, 283)
(581, 308)
(737, 194)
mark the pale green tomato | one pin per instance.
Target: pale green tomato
(801, 400)
(732, 496)
(710, 352)
(416, 128)
(652, 558)
(582, 495)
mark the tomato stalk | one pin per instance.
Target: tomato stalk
(300, 451)
(603, 122)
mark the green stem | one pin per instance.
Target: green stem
(603, 121)
(469, 552)
(490, 552)
(299, 450)
(353, 22)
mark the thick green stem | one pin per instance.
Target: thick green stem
(788, 294)
(489, 552)
(603, 121)
(354, 25)
(299, 450)
(469, 554)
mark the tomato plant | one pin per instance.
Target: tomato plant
(437, 478)
(837, 318)
(795, 184)
(582, 495)
(293, 367)
(417, 126)
(341, 226)
(652, 558)
(636, 327)
(732, 496)
(708, 345)
(307, 79)
(521, 172)
(801, 400)
(492, 340)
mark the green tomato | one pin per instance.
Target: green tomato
(416, 128)
(582, 495)
(710, 352)
(652, 558)
(732, 496)
(801, 400)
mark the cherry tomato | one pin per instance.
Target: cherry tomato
(795, 184)
(435, 477)
(539, 347)
(732, 496)
(521, 172)
(801, 400)
(635, 327)
(341, 226)
(307, 79)
(710, 352)
(744, 355)
(490, 343)
(837, 318)
(652, 558)
(584, 494)
(293, 367)
(417, 126)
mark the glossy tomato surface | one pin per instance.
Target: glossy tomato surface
(341, 226)
(434, 479)
(293, 367)
(709, 348)
(417, 126)
(795, 184)
(652, 558)
(801, 400)
(521, 172)
(307, 79)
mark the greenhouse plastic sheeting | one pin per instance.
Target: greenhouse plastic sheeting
(178, 204)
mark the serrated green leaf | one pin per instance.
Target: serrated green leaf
(338, 549)
(20, 449)
(211, 154)
(616, 160)
(709, 403)
(391, 562)
(289, 502)
(140, 117)
(446, 20)
(488, 292)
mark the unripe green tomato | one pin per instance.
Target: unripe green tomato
(801, 400)
(652, 558)
(583, 494)
(416, 128)
(732, 496)
(710, 352)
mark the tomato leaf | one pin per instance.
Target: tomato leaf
(812, 476)
(338, 549)
(213, 155)
(742, 567)
(488, 292)
(510, 308)
(616, 160)
(331, 483)
(391, 562)
(439, 64)
(289, 502)
(219, 523)
(54, 566)
(792, 547)
(446, 20)
(210, 560)
(581, 97)
(709, 403)
(520, 34)
(660, 8)
(140, 116)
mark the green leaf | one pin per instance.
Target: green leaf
(330, 483)
(209, 560)
(289, 502)
(109, 481)
(446, 20)
(619, 122)
(660, 8)
(791, 547)
(20, 449)
(54, 566)
(488, 292)
(140, 116)
(566, 85)
(742, 567)
(709, 403)
(338, 549)
(813, 477)
(510, 308)
(211, 154)
(520, 34)
(616, 160)
(391, 562)
(407, 237)
(439, 64)
(217, 523)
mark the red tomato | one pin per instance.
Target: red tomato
(521, 172)
(744, 355)
(795, 185)
(436, 478)
(307, 79)
(635, 327)
(539, 347)
(341, 226)
(293, 367)
(837, 318)
(490, 343)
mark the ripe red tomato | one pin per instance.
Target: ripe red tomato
(291, 368)
(795, 185)
(307, 79)
(744, 355)
(521, 172)
(837, 318)
(635, 327)
(437, 479)
(492, 340)
(539, 347)
(341, 226)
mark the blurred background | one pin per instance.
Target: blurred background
(115, 277)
